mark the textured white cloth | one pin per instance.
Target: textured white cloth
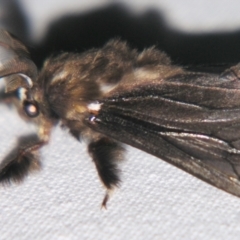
(155, 201)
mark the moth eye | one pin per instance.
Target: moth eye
(31, 108)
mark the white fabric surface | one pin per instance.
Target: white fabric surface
(156, 200)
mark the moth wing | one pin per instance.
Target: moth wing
(15, 64)
(189, 120)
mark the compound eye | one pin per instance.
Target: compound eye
(31, 108)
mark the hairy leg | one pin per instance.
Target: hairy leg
(22, 160)
(106, 155)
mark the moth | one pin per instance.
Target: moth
(116, 95)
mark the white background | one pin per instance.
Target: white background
(155, 201)
(187, 15)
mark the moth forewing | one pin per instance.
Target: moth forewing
(190, 123)
(15, 64)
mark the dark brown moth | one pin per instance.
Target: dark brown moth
(117, 95)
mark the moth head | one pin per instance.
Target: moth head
(28, 104)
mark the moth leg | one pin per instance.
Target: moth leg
(25, 160)
(106, 155)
